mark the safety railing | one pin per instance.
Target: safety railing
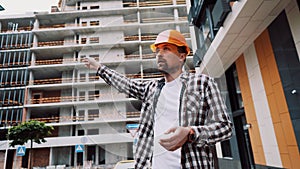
(56, 61)
(156, 3)
(63, 80)
(93, 117)
(130, 57)
(144, 56)
(131, 38)
(129, 4)
(157, 19)
(58, 99)
(180, 2)
(6, 103)
(19, 29)
(14, 64)
(148, 37)
(52, 43)
(145, 76)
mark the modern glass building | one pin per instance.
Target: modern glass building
(254, 45)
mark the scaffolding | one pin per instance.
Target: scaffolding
(14, 62)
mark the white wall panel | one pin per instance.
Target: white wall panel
(264, 120)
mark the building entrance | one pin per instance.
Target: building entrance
(243, 139)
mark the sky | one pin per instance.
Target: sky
(24, 6)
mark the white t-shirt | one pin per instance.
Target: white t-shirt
(166, 116)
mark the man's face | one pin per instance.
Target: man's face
(168, 59)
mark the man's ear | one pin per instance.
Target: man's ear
(182, 56)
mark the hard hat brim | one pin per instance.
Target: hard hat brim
(154, 45)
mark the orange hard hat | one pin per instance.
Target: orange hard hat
(170, 36)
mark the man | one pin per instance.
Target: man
(182, 115)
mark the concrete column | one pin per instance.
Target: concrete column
(50, 156)
(97, 155)
(174, 2)
(35, 41)
(138, 16)
(36, 24)
(30, 79)
(176, 19)
(33, 59)
(75, 159)
(176, 15)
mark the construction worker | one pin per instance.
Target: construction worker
(182, 114)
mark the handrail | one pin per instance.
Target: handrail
(156, 3)
(94, 117)
(57, 99)
(24, 28)
(7, 102)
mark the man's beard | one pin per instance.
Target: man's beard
(166, 70)
(163, 71)
(163, 68)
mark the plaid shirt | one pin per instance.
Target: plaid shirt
(201, 107)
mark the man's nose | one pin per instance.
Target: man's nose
(159, 54)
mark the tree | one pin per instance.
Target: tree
(34, 131)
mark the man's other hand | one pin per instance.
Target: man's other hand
(177, 139)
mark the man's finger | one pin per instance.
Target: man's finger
(171, 130)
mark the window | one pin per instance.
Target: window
(91, 153)
(92, 131)
(80, 116)
(82, 77)
(10, 78)
(93, 77)
(95, 7)
(83, 40)
(84, 8)
(206, 29)
(94, 23)
(10, 117)
(80, 132)
(94, 94)
(238, 90)
(101, 155)
(94, 39)
(95, 56)
(93, 114)
(36, 98)
(81, 58)
(83, 23)
(81, 96)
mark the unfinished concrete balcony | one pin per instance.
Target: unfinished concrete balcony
(56, 43)
(145, 75)
(144, 3)
(138, 57)
(96, 116)
(55, 61)
(106, 97)
(17, 29)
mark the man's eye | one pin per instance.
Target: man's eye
(166, 48)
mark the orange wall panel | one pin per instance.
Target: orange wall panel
(254, 133)
(284, 131)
